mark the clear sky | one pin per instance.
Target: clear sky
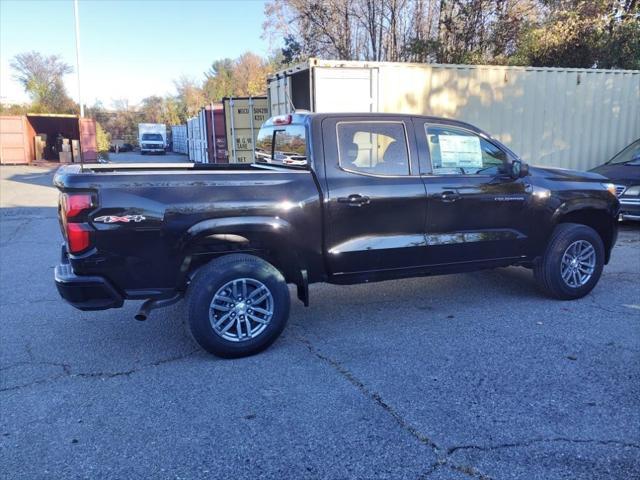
(130, 49)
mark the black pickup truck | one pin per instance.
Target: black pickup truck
(339, 198)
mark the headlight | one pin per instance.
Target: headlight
(540, 193)
(610, 187)
(632, 191)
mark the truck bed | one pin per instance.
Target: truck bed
(114, 167)
(187, 213)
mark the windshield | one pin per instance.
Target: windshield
(156, 137)
(632, 152)
(282, 145)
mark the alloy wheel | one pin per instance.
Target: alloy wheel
(578, 263)
(241, 309)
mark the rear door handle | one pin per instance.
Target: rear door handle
(355, 200)
(449, 196)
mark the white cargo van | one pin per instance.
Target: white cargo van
(152, 137)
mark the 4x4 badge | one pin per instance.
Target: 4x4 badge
(120, 219)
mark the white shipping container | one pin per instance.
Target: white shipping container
(197, 139)
(179, 138)
(564, 117)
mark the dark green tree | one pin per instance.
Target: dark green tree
(42, 79)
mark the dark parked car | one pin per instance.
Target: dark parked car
(125, 147)
(379, 197)
(624, 171)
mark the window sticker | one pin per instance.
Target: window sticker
(461, 151)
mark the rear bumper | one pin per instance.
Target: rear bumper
(84, 292)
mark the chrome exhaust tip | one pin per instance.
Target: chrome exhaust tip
(152, 304)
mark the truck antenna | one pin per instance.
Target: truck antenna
(80, 124)
(286, 95)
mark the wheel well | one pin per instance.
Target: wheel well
(598, 220)
(278, 260)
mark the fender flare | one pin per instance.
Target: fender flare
(242, 226)
(604, 221)
(575, 205)
(272, 232)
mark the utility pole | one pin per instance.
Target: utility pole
(75, 12)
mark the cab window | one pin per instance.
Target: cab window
(282, 145)
(264, 145)
(631, 153)
(378, 148)
(455, 151)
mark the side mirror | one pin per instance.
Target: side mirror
(519, 169)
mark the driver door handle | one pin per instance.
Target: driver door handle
(449, 196)
(355, 200)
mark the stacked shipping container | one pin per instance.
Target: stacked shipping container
(179, 139)
(243, 118)
(24, 139)
(205, 136)
(564, 117)
(226, 132)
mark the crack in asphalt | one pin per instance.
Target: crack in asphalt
(469, 471)
(13, 235)
(444, 463)
(68, 373)
(443, 456)
(619, 274)
(29, 349)
(34, 363)
(31, 302)
(430, 470)
(442, 460)
(528, 443)
(596, 304)
(370, 394)
(25, 221)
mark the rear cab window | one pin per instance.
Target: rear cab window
(284, 145)
(374, 148)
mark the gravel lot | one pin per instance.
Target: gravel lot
(453, 377)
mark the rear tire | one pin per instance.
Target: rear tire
(572, 263)
(238, 305)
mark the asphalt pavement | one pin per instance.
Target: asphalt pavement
(452, 377)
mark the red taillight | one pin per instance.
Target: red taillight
(75, 203)
(73, 222)
(78, 237)
(282, 120)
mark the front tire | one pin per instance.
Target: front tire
(238, 305)
(572, 263)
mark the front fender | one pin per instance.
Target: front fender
(578, 204)
(598, 213)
